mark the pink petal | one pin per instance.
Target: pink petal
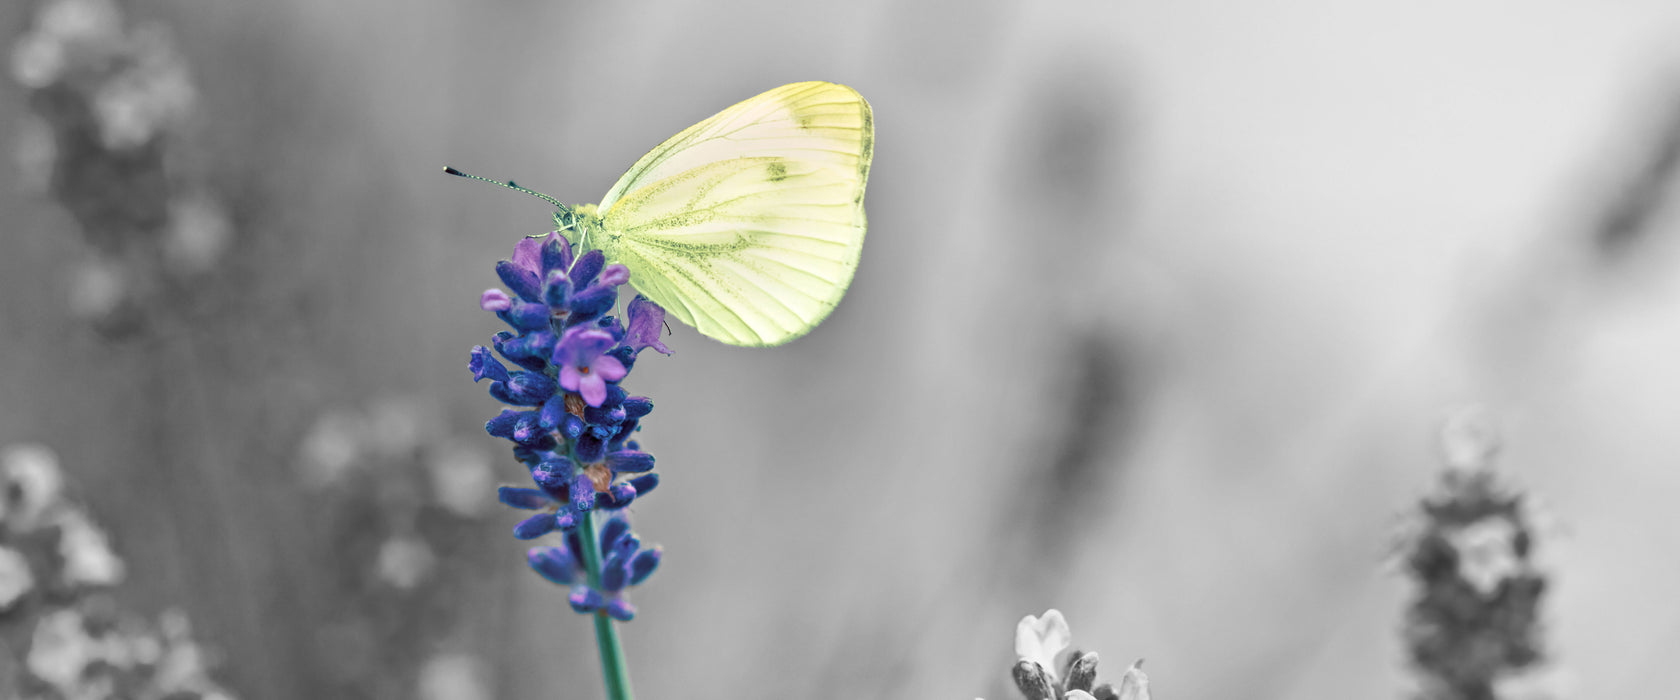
(593, 388)
(494, 300)
(569, 377)
(609, 368)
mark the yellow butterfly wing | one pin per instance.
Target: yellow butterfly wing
(748, 225)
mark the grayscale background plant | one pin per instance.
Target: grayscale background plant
(1160, 309)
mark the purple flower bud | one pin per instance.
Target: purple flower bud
(620, 609)
(574, 542)
(526, 317)
(520, 281)
(495, 300)
(622, 494)
(624, 355)
(528, 428)
(503, 424)
(589, 449)
(592, 302)
(554, 412)
(527, 455)
(557, 291)
(531, 388)
(530, 351)
(615, 275)
(627, 545)
(583, 492)
(586, 268)
(615, 528)
(637, 406)
(645, 483)
(625, 430)
(523, 498)
(606, 414)
(611, 325)
(485, 366)
(615, 572)
(644, 563)
(557, 468)
(554, 563)
(567, 520)
(556, 252)
(585, 599)
(571, 426)
(629, 462)
(534, 526)
(615, 397)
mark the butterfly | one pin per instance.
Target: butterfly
(748, 225)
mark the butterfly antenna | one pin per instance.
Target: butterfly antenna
(509, 184)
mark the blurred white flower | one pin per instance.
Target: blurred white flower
(198, 233)
(80, 20)
(144, 647)
(15, 578)
(152, 95)
(1486, 552)
(453, 676)
(60, 650)
(1040, 639)
(461, 476)
(37, 60)
(97, 288)
(1469, 439)
(395, 426)
(404, 561)
(33, 471)
(182, 665)
(332, 447)
(88, 559)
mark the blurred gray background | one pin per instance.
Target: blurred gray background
(1159, 308)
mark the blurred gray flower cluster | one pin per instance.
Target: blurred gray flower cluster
(110, 141)
(403, 503)
(62, 633)
(1473, 629)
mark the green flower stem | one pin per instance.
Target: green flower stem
(615, 673)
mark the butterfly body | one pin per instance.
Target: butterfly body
(748, 225)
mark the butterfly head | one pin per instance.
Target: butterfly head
(580, 224)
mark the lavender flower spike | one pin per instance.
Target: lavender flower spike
(573, 426)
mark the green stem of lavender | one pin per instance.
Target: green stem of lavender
(615, 673)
